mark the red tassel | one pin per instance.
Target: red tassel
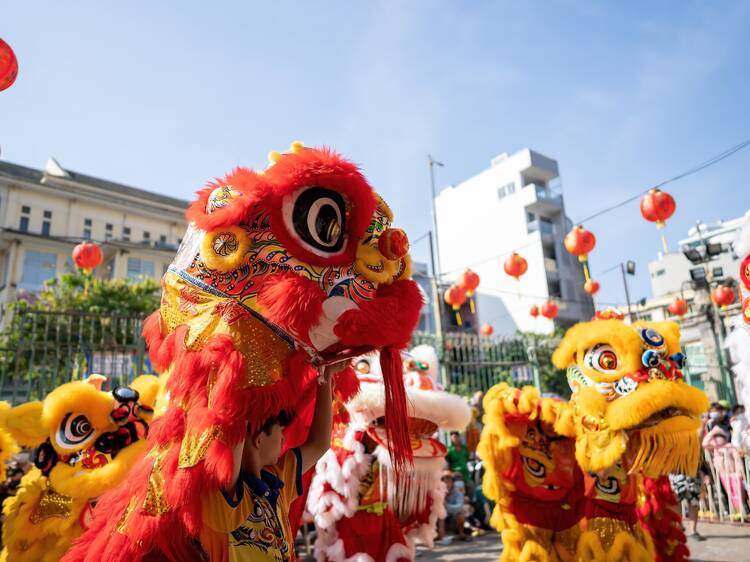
(396, 423)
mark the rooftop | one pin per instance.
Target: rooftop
(66, 180)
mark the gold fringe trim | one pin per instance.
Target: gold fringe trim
(669, 447)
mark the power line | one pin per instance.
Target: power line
(697, 168)
(702, 166)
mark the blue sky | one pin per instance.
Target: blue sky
(165, 95)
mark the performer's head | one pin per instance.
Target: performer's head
(263, 447)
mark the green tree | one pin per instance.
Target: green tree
(52, 336)
(552, 380)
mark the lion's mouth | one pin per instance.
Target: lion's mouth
(376, 268)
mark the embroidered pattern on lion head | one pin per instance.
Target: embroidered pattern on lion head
(630, 398)
(85, 442)
(277, 273)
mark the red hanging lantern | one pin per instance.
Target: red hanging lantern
(87, 255)
(487, 330)
(8, 66)
(678, 307)
(534, 311)
(469, 282)
(516, 265)
(455, 296)
(657, 206)
(580, 242)
(549, 310)
(723, 296)
(745, 272)
(591, 287)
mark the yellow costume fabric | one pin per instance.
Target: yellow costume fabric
(86, 440)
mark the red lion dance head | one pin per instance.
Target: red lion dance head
(280, 270)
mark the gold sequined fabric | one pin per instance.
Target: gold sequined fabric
(154, 503)
(122, 524)
(607, 529)
(51, 504)
(194, 447)
(207, 315)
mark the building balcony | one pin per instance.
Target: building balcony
(550, 268)
(540, 200)
(545, 229)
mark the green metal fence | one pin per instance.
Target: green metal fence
(471, 363)
(40, 350)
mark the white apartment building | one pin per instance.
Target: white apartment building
(45, 213)
(509, 207)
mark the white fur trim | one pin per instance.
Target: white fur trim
(448, 411)
(427, 354)
(408, 494)
(328, 506)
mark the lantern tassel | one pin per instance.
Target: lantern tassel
(458, 318)
(664, 243)
(586, 270)
(471, 305)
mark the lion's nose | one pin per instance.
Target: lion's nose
(393, 244)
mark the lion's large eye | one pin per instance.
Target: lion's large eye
(534, 467)
(601, 358)
(363, 367)
(73, 431)
(318, 218)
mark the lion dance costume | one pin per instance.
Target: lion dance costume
(86, 440)
(281, 270)
(631, 421)
(363, 509)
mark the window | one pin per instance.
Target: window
(37, 268)
(163, 240)
(87, 233)
(146, 237)
(47, 214)
(138, 267)
(45, 228)
(126, 233)
(507, 189)
(696, 358)
(108, 231)
(659, 272)
(86, 222)
(23, 224)
(108, 227)
(718, 272)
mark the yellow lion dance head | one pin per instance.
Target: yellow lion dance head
(629, 397)
(85, 440)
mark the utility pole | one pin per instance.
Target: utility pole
(627, 293)
(432, 164)
(437, 275)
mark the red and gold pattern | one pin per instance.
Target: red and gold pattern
(265, 287)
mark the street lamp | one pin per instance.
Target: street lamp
(628, 267)
(432, 164)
